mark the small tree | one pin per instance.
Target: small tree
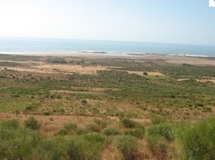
(145, 73)
(31, 123)
(128, 123)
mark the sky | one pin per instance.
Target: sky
(164, 21)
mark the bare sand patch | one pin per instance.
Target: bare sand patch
(148, 73)
(71, 68)
(73, 92)
(206, 80)
(198, 80)
(41, 67)
(183, 79)
(104, 89)
(32, 70)
(85, 90)
(46, 68)
(191, 60)
(58, 68)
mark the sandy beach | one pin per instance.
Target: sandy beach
(173, 59)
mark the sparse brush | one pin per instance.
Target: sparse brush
(136, 132)
(111, 131)
(128, 123)
(71, 127)
(157, 120)
(102, 123)
(165, 130)
(81, 131)
(94, 128)
(68, 129)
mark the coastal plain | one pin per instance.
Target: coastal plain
(114, 96)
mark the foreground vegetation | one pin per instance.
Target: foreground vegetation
(164, 141)
(120, 114)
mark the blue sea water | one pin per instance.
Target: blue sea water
(38, 46)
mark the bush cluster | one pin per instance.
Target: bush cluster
(128, 146)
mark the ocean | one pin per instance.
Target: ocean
(58, 46)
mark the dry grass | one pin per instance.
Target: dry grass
(51, 123)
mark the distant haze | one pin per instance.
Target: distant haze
(165, 21)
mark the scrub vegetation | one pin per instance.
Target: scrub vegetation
(117, 108)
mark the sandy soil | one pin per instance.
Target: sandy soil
(61, 68)
(199, 80)
(191, 60)
(74, 92)
(41, 67)
(85, 90)
(71, 68)
(206, 80)
(183, 79)
(149, 73)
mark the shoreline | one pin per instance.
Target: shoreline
(168, 58)
(104, 53)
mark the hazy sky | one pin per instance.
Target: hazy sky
(174, 21)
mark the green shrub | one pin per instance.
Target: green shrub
(197, 141)
(165, 130)
(19, 143)
(69, 128)
(157, 145)
(136, 132)
(10, 124)
(77, 149)
(30, 108)
(31, 123)
(63, 132)
(145, 73)
(22, 143)
(128, 146)
(94, 137)
(94, 128)
(47, 149)
(111, 131)
(17, 112)
(81, 131)
(127, 123)
(86, 147)
(206, 109)
(47, 113)
(101, 123)
(157, 120)
(130, 114)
